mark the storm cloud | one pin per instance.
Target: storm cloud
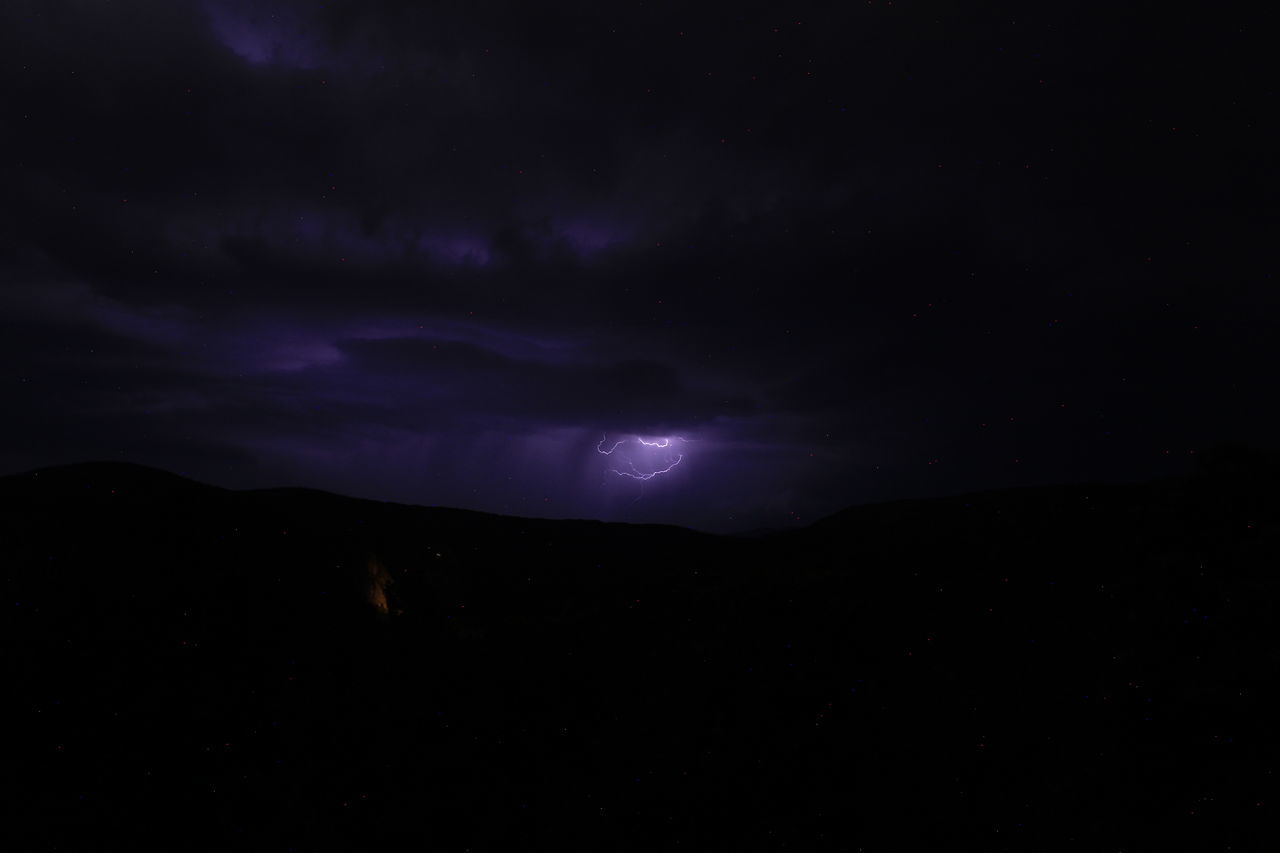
(434, 254)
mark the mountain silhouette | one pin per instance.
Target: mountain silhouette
(1044, 668)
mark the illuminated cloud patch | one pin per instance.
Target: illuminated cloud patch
(639, 458)
(264, 35)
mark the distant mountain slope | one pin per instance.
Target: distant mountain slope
(94, 480)
(1057, 668)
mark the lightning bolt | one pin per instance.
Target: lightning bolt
(611, 449)
(635, 473)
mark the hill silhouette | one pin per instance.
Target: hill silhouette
(1049, 668)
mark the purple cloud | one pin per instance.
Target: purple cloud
(264, 35)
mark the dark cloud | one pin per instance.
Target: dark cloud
(435, 253)
(635, 395)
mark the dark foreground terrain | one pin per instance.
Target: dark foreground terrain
(1085, 668)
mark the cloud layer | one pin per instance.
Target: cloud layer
(434, 254)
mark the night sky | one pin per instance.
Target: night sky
(448, 254)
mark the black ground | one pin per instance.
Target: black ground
(1084, 667)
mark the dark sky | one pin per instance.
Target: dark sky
(436, 253)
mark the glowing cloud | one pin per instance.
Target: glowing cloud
(654, 463)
